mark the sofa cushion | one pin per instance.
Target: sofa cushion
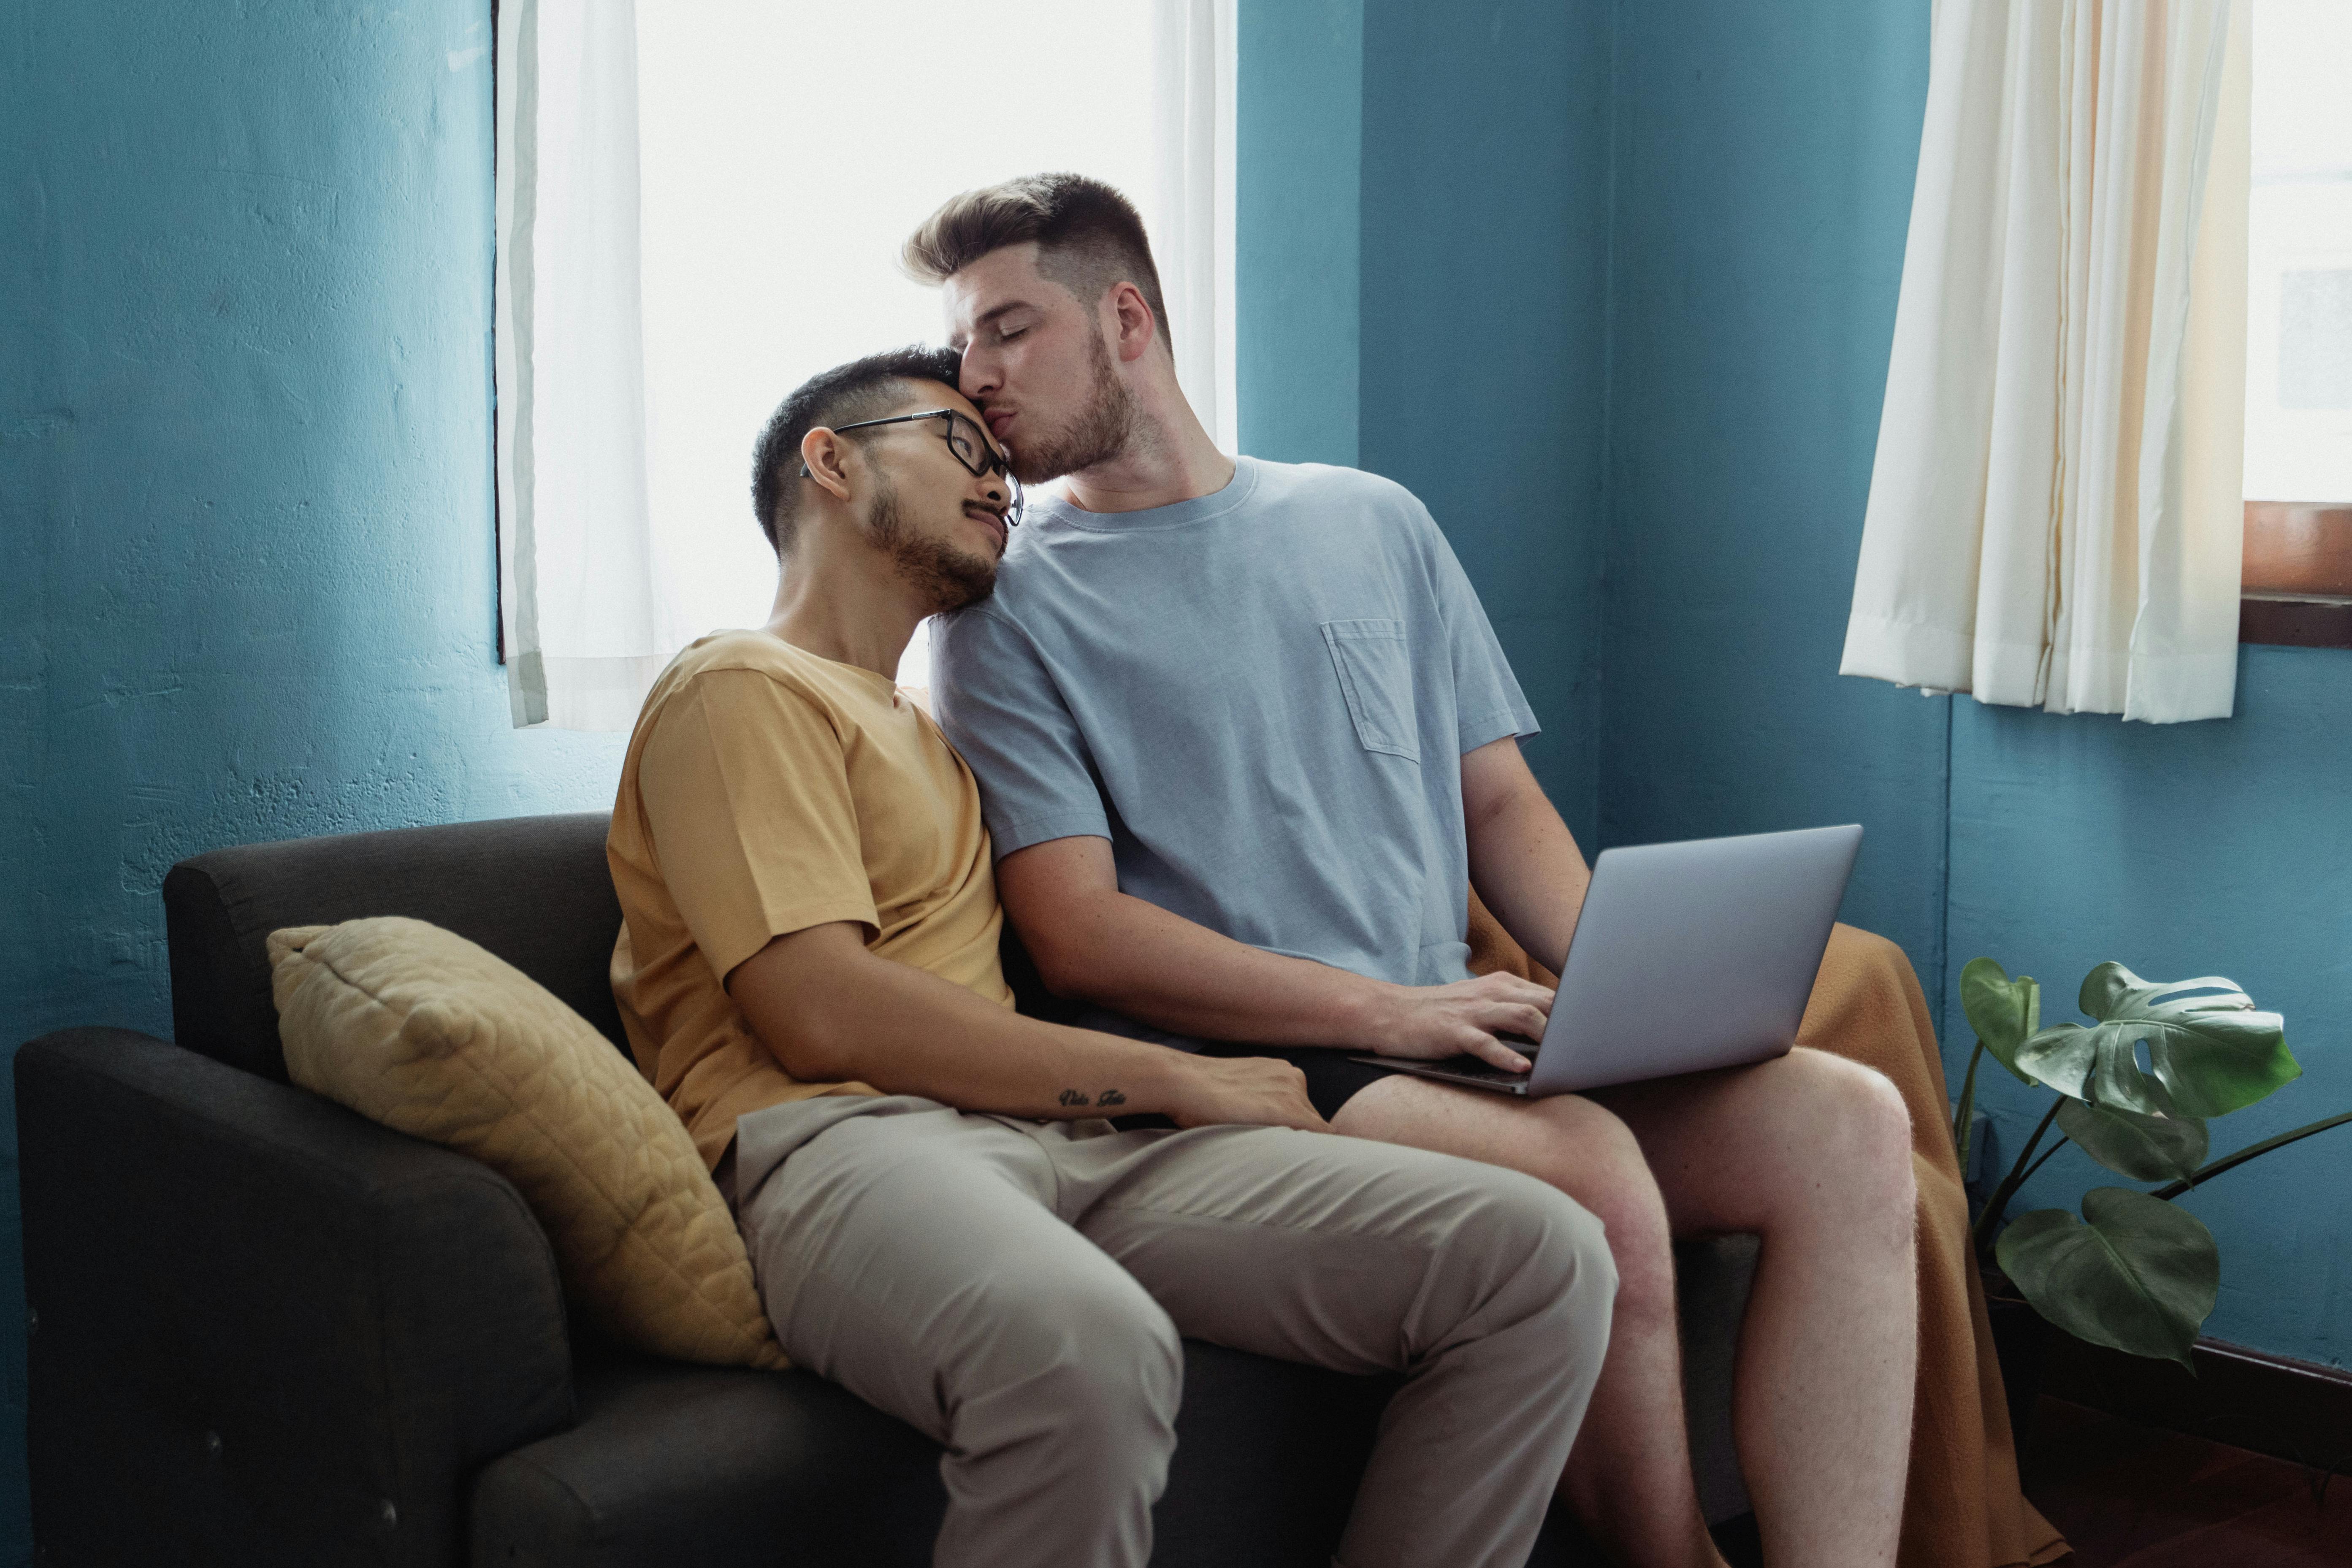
(720, 1469)
(726, 1469)
(425, 1032)
(533, 889)
(491, 882)
(732, 1469)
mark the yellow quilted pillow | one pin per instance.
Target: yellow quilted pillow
(417, 1028)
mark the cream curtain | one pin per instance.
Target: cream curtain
(676, 249)
(577, 590)
(1193, 44)
(2054, 513)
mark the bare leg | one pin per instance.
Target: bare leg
(1629, 1476)
(1813, 1153)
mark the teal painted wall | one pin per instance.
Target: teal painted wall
(1746, 172)
(1422, 211)
(1298, 227)
(1486, 214)
(1764, 160)
(245, 480)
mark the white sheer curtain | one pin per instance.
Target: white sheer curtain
(700, 203)
(2056, 512)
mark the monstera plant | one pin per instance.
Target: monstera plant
(2135, 1088)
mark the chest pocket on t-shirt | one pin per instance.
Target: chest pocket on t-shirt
(1375, 668)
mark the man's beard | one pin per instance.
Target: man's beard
(1101, 430)
(948, 578)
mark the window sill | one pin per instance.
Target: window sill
(2296, 620)
(2297, 574)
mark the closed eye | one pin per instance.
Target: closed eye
(1003, 337)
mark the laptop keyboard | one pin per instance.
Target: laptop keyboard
(1471, 1066)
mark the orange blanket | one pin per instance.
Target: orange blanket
(1964, 1509)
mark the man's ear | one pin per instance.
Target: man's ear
(1131, 319)
(823, 452)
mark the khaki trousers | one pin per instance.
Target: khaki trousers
(1017, 1289)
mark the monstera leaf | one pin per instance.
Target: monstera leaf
(2003, 1012)
(2135, 1272)
(2209, 1051)
(2144, 1147)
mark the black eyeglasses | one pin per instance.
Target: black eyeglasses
(970, 447)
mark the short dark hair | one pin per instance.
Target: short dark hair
(862, 389)
(1089, 237)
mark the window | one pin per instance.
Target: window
(2298, 479)
(703, 206)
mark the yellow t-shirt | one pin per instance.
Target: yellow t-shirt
(765, 791)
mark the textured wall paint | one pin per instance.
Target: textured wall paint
(1298, 111)
(244, 482)
(1764, 164)
(1485, 201)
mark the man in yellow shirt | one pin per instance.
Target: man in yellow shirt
(937, 1217)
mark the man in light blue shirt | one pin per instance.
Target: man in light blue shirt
(1281, 707)
(1245, 742)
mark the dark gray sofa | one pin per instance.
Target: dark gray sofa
(268, 1331)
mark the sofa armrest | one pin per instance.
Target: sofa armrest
(265, 1330)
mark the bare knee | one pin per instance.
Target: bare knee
(1857, 1126)
(1859, 1109)
(1597, 1161)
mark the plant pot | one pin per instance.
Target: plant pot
(2021, 1339)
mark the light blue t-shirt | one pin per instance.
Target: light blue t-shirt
(1260, 697)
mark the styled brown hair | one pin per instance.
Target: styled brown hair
(1089, 237)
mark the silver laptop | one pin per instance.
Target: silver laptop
(1686, 956)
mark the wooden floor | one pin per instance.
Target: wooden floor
(2133, 1497)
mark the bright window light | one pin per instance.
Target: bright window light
(787, 151)
(2299, 237)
